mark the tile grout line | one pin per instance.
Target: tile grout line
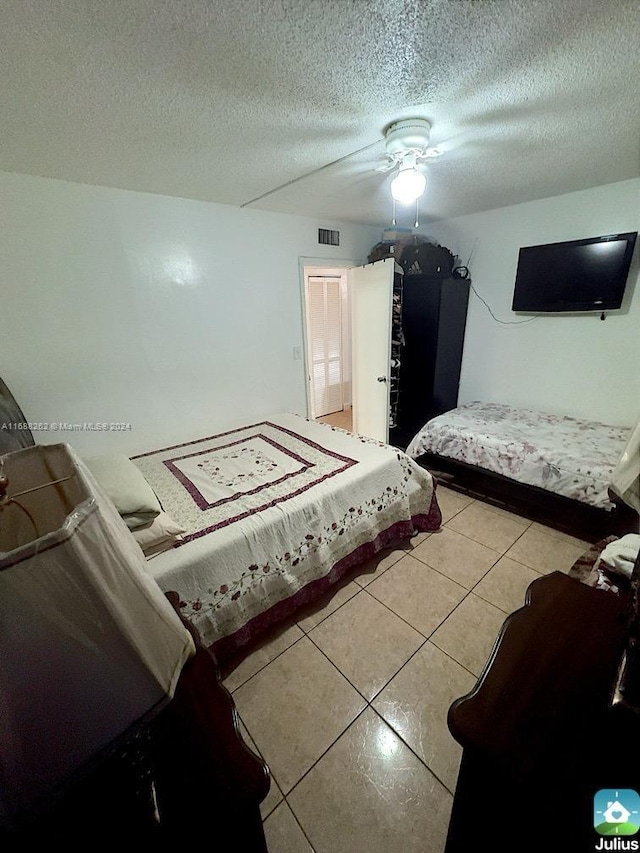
(375, 577)
(493, 604)
(497, 561)
(524, 565)
(325, 751)
(297, 820)
(397, 615)
(368, 706)
(453, 580)
(271, 773)
(440, 624)
(480, 579)
(518, 519)
(448, 577)
(451, 657)
(486, 601)
(427, 638)
(412, 750)
(304, 634)
(370, 701)
(351, 684)
(550, 531)
(247, 680)
(337, 668)
(359, 714)
(339, 607)
(471, 592)
(477, 541)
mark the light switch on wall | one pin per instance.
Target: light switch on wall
(297, 353)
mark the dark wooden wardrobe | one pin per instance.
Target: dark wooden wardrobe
(434, 315)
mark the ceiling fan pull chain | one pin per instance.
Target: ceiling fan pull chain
(416, 223)
(393, 219)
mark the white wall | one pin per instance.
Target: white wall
(574, 365)
(179, 317)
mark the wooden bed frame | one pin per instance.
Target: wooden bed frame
(569, 516)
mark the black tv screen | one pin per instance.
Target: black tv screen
(580, 275)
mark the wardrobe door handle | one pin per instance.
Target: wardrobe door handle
(382, 378)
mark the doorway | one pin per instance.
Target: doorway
(327, 320)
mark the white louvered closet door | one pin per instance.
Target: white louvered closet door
(324, 305)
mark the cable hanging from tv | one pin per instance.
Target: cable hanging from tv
(497, 319)
(486, 304)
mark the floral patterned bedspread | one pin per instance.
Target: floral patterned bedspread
(274, 513)
(568, 456)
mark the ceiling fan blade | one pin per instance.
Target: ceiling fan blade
(429, 154)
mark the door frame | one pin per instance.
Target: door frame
(320, 266)
(339, 277)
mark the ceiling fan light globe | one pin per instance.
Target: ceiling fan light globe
(408, 185)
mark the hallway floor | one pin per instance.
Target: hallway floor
(342, 419)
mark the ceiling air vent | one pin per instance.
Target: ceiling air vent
(328, 238)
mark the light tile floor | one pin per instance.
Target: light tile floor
(348, 706)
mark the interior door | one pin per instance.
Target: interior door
(371, 289)
(324, 307)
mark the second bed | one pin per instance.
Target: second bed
(567, 456)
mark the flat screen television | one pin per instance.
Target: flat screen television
(579, 275)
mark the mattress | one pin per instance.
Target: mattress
(274, 514)
(567, 456)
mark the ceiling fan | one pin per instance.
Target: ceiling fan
(406, 146)
(404, 138)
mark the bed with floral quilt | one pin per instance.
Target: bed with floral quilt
(567, 456)
(274, 514)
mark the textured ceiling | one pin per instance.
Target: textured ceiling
(224, 101)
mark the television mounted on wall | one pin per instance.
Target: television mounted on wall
(578, 275)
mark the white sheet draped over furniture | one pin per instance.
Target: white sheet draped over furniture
(626, 477)
(568, 456)
(88, 642)
(274, 514)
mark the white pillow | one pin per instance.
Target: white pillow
(125, 484)
(163, 531)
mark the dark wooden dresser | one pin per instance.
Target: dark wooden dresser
(553, 718)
